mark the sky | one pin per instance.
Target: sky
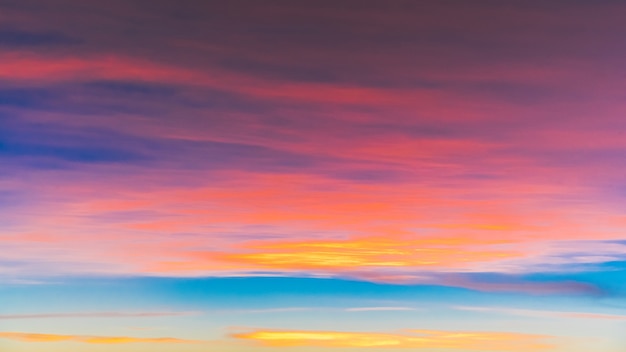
(299, 176)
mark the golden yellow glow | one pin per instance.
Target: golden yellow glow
(477, 341)
(369, 252)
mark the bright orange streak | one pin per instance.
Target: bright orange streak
(478, 341)
(33, 337)
(369, 252)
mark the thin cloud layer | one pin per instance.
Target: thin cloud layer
(36, 337)
(543, 313)
(94, 315)
(474, 341)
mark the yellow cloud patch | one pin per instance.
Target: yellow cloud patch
(370, 252)
(33, 337)
(477, 341)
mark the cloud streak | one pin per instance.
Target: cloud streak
(410, 339)
(543, 313)
(369, 252)
(381, 309)
(36, 337)
(95, 315)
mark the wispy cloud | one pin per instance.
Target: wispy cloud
(269, 310)
(306, 309)
(36, 337)
(513, 283)
(475, 341)
(542, 313)
(379, 309)
(97, 315)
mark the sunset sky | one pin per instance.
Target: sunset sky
(312, 175)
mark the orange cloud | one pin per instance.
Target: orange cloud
(370, 252)
(477, 341)
(391, 229)
(388, 226)
(33, 337)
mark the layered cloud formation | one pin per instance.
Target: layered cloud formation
(394, 126)
(433, 143)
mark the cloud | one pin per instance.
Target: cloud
(24, 67)
(515, 283)
(352, 144)
(379, 309)
(36, 337)
(95, 315)
(413, 339)
(11, 37)
(28, 68)
(543, 313)
(448, 253)
(268, 310)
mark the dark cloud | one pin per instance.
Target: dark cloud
(80, 154)
(42, 143)
(289, 72)
(129, 88)
(26, 97)
(15, 38)
(388, 42)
